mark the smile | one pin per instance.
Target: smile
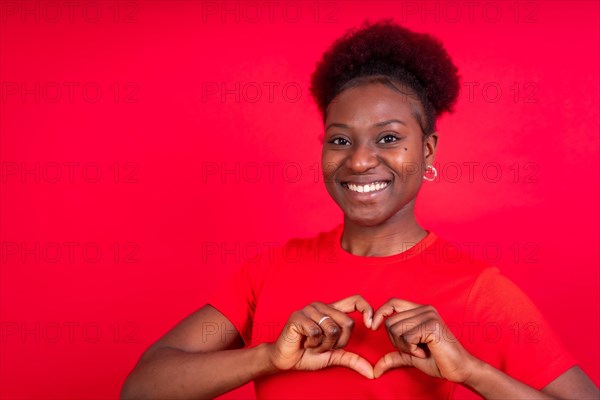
(366, 188)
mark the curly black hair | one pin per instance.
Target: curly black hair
(385, 52)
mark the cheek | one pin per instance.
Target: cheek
(413, 151)
(330, 162)
(406, 153)
(407, 162)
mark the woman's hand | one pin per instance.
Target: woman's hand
(310, 341)
(423, 341)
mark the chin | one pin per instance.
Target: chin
(365, 220)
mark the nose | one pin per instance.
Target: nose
(362, 158)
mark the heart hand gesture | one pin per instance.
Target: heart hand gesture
(314, 337)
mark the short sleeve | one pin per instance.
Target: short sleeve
(508, 332)
(236, 297)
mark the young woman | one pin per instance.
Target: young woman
(374, 308)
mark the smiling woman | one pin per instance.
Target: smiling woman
(448, 321)
(374, 161)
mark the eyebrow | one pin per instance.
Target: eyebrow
(377, 125)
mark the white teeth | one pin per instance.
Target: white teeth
(372, 187)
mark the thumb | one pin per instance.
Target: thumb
(390, 361)
(343, 358)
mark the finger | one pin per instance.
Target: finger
(300, 329)
(350, 360)
(391, 361)
(328, 326)
(314, 341)
(355, 303)
(414, 316)
(412, 335)
(426, 312)
(389, 308)
(343, 321)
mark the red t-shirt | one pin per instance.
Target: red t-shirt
(491, 317)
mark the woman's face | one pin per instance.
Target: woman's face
(373, 154)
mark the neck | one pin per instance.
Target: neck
(394, 236)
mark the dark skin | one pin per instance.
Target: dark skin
(383, 142)
(362, 146)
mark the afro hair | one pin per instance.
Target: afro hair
(386, 51)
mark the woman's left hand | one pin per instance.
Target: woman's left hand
(423, 341)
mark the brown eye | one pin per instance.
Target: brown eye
(389, 139)
(339, 141)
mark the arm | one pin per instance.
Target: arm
(492, 383)
(574, 383)
(190, 362)
(187, 362)
(425, 342)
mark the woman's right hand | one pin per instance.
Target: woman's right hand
(304, 344)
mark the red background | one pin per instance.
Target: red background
(74, 322)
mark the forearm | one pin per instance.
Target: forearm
(492, 383)
(171, 373)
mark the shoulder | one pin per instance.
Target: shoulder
(308, 247)
(489, 292)
(278, 256)
(455, 260)
(326, 236)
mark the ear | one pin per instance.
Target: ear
(429, 147)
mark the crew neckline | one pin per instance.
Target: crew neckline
(405, 255)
